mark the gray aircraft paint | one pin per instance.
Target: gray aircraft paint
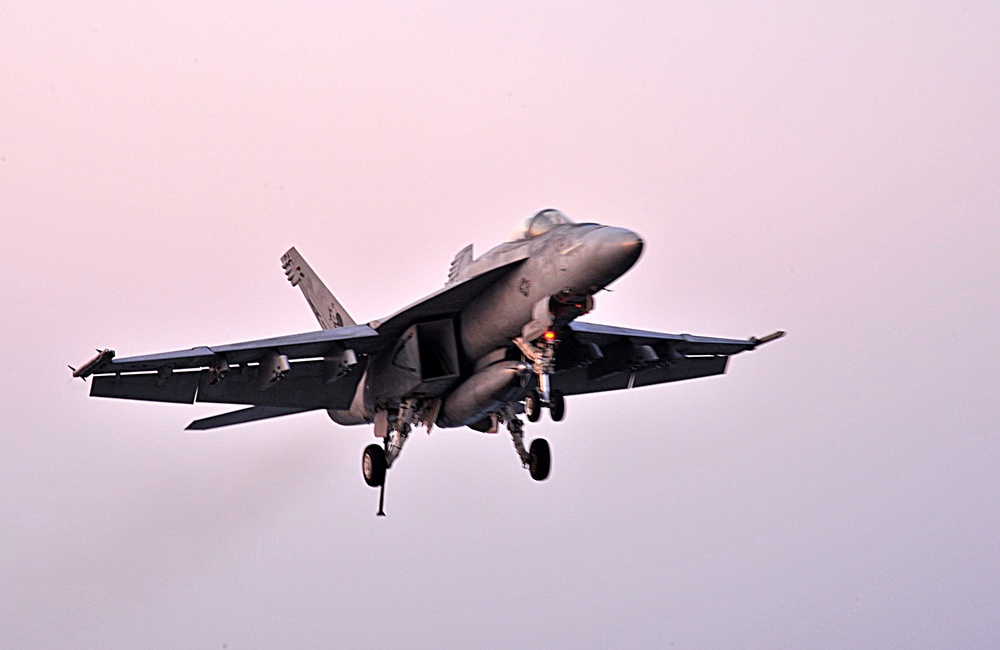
(498, 340)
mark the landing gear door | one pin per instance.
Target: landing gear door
(541, 320)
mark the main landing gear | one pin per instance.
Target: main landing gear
(374, 464)
(537, 460)
(377, 459)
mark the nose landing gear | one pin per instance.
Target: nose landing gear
(557, 406)
(534, 402)
(541, 352)
(542, 355)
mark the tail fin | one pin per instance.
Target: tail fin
(462, 260)
(328, 310)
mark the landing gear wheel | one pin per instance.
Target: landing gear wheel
(532, 406)
(557, 406)
(541, 459)
(373, 465)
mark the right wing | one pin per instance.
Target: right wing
(282, 375)
(302, 371)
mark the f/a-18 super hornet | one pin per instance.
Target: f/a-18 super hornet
(500, 339)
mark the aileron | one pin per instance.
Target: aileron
(177, 387)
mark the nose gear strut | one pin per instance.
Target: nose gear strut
(542, 355)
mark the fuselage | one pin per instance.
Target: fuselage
(566, 265)
(560, 270)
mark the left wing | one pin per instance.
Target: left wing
(594, 358)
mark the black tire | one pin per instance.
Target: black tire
(557, 406)
(373, 465)
(541, 459)
(532, 405)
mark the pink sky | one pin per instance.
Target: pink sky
(831, 171)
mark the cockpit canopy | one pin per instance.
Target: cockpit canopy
(539, 224)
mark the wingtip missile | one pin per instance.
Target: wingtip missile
(773, 336)
(87, 369)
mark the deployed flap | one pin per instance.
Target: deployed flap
(462, 260)
(251, 414)
(304, 386)
(177, 387)
(328, 310)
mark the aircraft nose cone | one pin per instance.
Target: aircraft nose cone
(615, 250)
(621, 248)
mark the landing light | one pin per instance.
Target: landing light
(549, 336)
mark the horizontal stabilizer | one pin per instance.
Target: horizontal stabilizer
(251, 414)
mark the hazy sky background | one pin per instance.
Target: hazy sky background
(829, 170)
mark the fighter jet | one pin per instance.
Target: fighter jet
(501, 339)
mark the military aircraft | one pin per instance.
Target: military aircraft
(500, 339)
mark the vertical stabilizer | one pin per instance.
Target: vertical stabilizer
(462, 260)
(328, 310)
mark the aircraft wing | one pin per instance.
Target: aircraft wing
(238, 373)
(594, 358)
(318, 370)
(294, 346)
